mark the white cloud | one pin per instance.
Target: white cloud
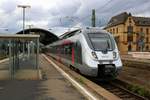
(47, 13)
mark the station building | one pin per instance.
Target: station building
(131, 33)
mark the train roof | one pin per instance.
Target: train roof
(84, 30)
(69, 33)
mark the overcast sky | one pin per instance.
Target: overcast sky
(61, 14)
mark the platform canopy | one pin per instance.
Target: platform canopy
(46, 37)
(19, 37)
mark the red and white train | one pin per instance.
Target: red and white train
(91, 51)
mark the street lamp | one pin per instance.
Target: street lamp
(23, 7)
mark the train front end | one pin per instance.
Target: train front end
(103, 58)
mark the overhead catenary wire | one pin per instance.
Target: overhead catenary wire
(84, 18)
(100, 8)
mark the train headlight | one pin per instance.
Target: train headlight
(114, 55)
(94, 55)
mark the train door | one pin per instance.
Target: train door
(77, 53)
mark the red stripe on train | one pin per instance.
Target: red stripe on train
(66, 42)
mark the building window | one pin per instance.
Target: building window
(117, 40)
(113, 30)
(110, 30)
(130, 29)
(130, 37)
(129, 47)
(147, 47)
(116, 30)
(147, 31)
(130, 20)
(141, 29)
(147, 39)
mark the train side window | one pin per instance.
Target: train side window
(70, 49)
(65, 49)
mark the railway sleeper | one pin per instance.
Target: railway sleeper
(115, 90)
(125, 96)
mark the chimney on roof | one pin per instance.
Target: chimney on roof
(129, 14)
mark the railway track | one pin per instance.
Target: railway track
(117, 87)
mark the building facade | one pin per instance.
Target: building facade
(131, 33)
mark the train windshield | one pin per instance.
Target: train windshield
(101, 41)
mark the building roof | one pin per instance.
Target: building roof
(19, 36)
(142, 21)
(121, 18)
(118, 19)
(46, 37)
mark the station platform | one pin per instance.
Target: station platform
(53, 87)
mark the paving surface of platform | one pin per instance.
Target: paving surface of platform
(54, 87)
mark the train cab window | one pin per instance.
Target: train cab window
(101, 41)
(67, 36)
